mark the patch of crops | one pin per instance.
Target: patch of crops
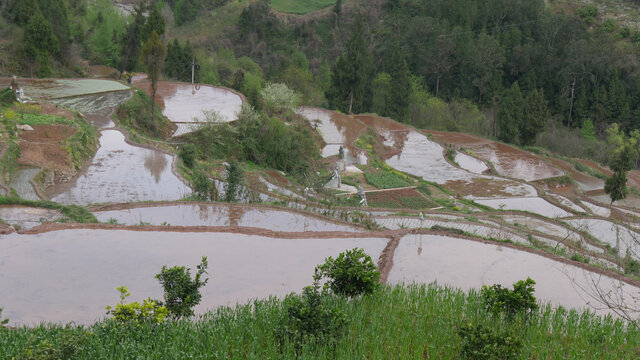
(406, 198)
(300, 7)
(409, 322)
(386, 180)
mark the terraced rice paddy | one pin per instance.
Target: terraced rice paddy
(468, 265)
(222, 215)
(73, 274)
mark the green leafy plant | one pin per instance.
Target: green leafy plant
(480, 343)
(149, 312)
(310, 317)
(3, 322)
(234, 178)
(188, 154)
(67, 344)
(510, 302)
(351, 274)
(181, 293)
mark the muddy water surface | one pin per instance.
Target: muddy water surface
(61, 88)
(608, 232)
(71, 275)
(96, 108)
(20, 182)
(467, 264)
(27, 217)
(337, 130)
(120, 172)
(223, 215)
(414, 153)
(532, 204)
(470, 163)
(184, 103)
(507, 160)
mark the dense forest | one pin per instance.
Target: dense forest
(500, 68)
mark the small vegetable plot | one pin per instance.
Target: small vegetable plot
(402, 198)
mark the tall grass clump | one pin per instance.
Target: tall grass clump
(407, 321)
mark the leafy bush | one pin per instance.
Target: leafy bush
(149, 312)
(188, 154)
(279, 98)
(234, 178)
(510, 302)
(67, 344)
(6, 97)
(136, 114)
(310, 317)
(351, 274)
(203, 187)
(480, 343)
(181, 293)
(588, 13)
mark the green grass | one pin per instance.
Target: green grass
(412, 322)
(72, 213)
(42, 119)
(300, 6)
(386, 180)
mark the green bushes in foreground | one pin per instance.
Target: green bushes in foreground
(400, 322)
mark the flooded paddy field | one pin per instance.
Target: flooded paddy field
(184, 103)
(566, 202)
(21, 183)
(48, 89)
(532, 204)
(616, 236)
(416, 154)
(507, 160)
(468, 264)
(223, 215)
(120, 172)
(26, 217)
(585, 182)
(470, 163)
(482, 230)
(71, 275)
(96, 108)
(337, 130)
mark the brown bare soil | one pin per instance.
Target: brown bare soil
(400, 198)
(101, 71)
(51, 109)
(43, 147)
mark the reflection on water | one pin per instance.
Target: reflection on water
(156, 162)
(120, 172)
(223, 215)
(72, 275)
(467, 264)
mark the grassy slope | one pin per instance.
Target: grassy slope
(399, 323)
(300, 6)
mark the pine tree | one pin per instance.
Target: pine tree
(534, 117)
(131, 41)
(352, 74)
(155, 22)
(400, 84)
(153, 53)
(510, 114)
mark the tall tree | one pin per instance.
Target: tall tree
(621, 162)
(352, 74)
(443, 58)
(131, 41)
(155, 22)
(400, 83)
(39, 43)
(153, 53)
(510, 114)
(534, 117)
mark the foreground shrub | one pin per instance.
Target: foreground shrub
(510, 302)
(188, 154)
(480, 343)
(310, 317)
(351, 274)
(66, 345)
(149, 312)
(181, 293)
